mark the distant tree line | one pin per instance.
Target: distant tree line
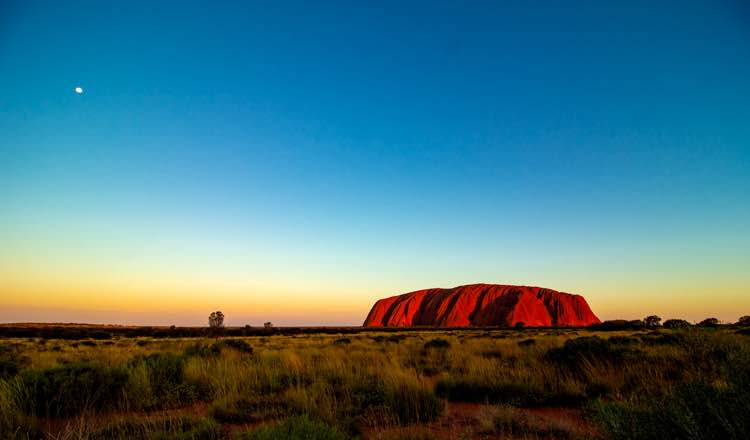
(80, 332)
(654, 321)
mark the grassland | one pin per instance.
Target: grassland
(337, 384)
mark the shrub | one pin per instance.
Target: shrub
(676, 324)
(437, 343)
(11, 362)
(623, 340)
(509, 422)
(652, 321)
(296, 428)
(409, 402)
(14, 424)
(694, 411)
(709, 322)
(744, 321)
(100, 335)
(168, 428)
(248, 410)
(71, 389)
(9, 368)
(200, 349)
(237, 344)
(72, 334)
(166, 379)
(618, 324)
(465, 389)
(664, 339)
(586, 348)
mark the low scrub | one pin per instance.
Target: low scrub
(158, 381)
(575, 352)
(437, 343)
(71, 389)
(694, 410)
(509, 422)
(248, 410)
(296, 428)
(168, 428)
(466, 389)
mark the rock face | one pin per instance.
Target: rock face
(482, 305)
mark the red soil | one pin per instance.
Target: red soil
(482, 305)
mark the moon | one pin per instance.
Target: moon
(78, 90)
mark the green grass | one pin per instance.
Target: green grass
(686, 383)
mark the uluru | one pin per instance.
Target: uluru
(482, 305)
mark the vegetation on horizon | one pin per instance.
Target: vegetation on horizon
(671, 382)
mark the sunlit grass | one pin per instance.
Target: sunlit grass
(361, 383)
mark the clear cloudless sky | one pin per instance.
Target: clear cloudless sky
(295, 161)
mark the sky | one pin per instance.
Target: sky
(295, 161)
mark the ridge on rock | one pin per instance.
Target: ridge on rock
(482, 305)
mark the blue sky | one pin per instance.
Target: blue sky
(338, 152)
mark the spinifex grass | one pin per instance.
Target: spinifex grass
(360, 383)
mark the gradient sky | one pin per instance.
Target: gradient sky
(295, 161)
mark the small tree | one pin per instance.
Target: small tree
(216, 319)
(636, 324)
(744, 321)
(676, 323)
(652, 321)
(709, 322)
(268, 325)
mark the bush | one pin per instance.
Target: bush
(409, 402)
(512, 393)
(11, 362)
(665, 339)
(619, 324)
(623, 340)
(99, 334)
(203, 350)
(587, 348)
(237, 344)
(248, 410)
(744, 321)
(296, 428)
(676, 324)
(437, 343)
(509, 422)
(709, 322)
(72, 389)
(167, 384)
(179, 428)
(652, 321)
(694, 411)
